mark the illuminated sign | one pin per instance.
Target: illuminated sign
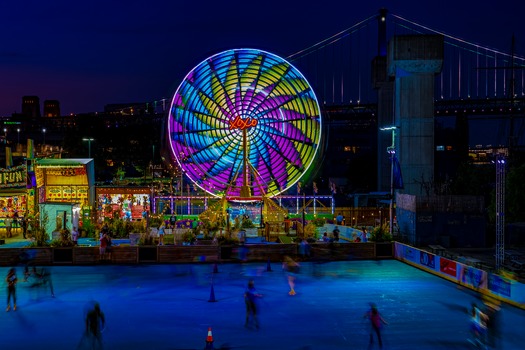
(241, 124)
(14, 177)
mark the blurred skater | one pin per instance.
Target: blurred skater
(250, 297)
(11, 280)
(376, 322)
(40, 278)
(95, 324)
(292, 269)
(492, 310)
(478, 327)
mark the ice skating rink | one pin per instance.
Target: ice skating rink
(173, 306)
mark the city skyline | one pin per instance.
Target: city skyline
(106, 53)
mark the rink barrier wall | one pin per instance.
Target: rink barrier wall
(166, 254)
(490, 284)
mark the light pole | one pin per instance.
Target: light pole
(44, 133)
(88, 139)
(391, 150)
(18, 139)
(5, 136)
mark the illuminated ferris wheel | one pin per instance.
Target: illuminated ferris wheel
(244, 123)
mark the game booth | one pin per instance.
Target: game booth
(65, 188)
(128, 203)
(13, 195)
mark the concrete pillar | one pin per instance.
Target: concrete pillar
(414, 60)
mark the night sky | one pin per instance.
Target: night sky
(89, 54)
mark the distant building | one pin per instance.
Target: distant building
(31, 106)
(51, 108)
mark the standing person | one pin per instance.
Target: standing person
(15, 220)
(173, 221)
(95, 323)
(376, 321)
(23, 225)
(74, 236)
(339, 219)
(250, 296)
(103, 245)
(364, 235)
(292, 269)
(335, 233)
(8, 225)
(11, 280)
(161, 234)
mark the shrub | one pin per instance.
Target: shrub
(64, 240)
(318, 222)
(247, 223)
(381, 234)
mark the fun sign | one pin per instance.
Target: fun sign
(241, 124)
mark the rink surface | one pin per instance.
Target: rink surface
(172, 307)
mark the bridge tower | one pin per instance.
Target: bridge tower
(385, 116)
(413, 61)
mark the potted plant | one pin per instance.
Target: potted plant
(188, 238)
(381, 234)
(37, 230)
(138, 234)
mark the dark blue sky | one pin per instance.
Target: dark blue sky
(89, 54)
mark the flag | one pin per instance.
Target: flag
(396, 172)
(315, 188)
(299, 187)
(8, 158)
(30, 154)
(333, 187)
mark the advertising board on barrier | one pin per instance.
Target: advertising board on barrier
(427, 259)
(499, 285)
(480, 280)
(473, 277)
(448, 267)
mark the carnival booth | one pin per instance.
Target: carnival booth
(13, 195)
(65, 188)
(128, 203)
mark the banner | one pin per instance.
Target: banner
(398, 177)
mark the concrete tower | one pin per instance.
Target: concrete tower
(414, 60)
(384, 85)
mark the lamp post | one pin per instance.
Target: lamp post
(44, 133)
(88, 139)
(391, 150)
(18, 139)
(5, 136)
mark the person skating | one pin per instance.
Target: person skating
(376, 322)
(11, 280)
(250, 297)
(95, 323)
(292, 269)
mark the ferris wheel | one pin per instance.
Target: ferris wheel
(244, 123)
